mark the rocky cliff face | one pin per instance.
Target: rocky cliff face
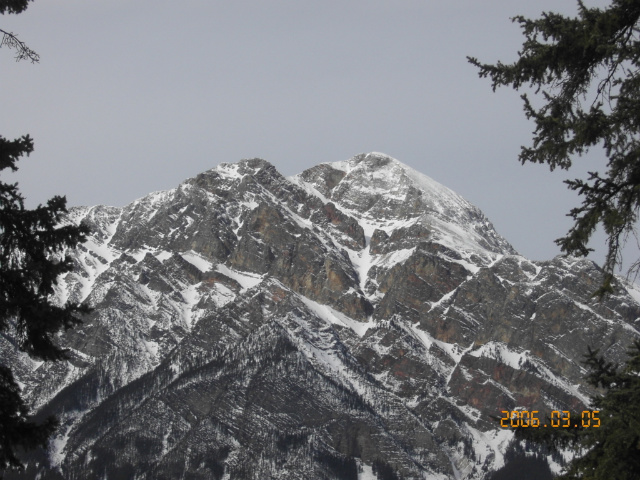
(250, 326)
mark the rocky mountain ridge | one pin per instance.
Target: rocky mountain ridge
(357, 315)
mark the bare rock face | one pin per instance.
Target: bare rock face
(252, 326)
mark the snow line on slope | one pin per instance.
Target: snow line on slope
(197, 261)
(332, 316)
(245, 279)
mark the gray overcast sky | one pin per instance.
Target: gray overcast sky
(135, 96)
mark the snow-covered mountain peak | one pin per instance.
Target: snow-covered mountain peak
(383, 173)
(382, 191)
(357, 315)
(239, 169)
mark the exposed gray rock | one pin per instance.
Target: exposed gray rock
(250, 326)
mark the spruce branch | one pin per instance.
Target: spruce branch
(23, 52)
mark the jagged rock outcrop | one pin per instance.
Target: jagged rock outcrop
(250, 326)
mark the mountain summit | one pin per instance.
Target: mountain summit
(355, 321)
(382, 192)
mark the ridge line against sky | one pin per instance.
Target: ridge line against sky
(134, 97)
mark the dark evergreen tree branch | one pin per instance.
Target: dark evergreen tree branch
(33, 247)
(23, 52)
(10, 40)
(16, 429)
(13, 6)
(593, 60)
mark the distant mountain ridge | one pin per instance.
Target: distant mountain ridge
(358, 315)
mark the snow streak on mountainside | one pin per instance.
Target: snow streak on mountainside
(359, 314)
